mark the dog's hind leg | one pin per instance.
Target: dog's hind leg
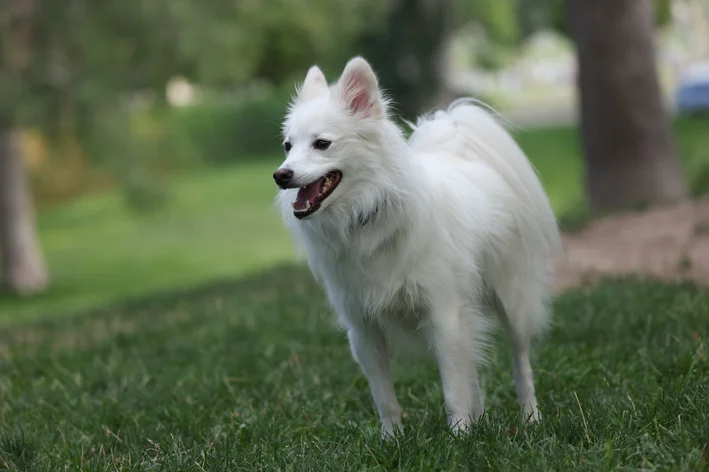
(369, 349)
(524, 381)
(521, 305)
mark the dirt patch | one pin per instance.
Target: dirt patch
(668, 243)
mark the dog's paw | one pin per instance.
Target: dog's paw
(390, 428)
(460, 424)
(532, 416)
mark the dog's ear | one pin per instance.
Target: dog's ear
(314, 85)
(359, 90)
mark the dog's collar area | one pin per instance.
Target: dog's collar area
(364, 219)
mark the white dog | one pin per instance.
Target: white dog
(425, 240)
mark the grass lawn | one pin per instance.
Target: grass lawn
(218, 223)
(251, 376)
(222, 224)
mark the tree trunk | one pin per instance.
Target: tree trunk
(630, 153)
(22, 267)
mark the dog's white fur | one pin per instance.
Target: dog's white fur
(425, 240)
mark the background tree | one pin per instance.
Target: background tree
(22, 266)
(629, 147)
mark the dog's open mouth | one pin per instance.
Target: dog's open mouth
(311, 196)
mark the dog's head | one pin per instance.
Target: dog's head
(332, 139)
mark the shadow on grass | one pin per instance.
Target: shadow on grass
(267, 280)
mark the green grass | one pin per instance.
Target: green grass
(222, 224)
(219, 223)
(251, 375)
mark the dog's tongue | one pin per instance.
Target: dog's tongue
(307, 194)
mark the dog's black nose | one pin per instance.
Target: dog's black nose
(283, 177)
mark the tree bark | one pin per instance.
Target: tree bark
(630, 154)
(22, 267)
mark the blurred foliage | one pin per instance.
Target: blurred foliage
(101, 51)
(507, 22)
(293, 34)
(223, 132)
(498, 18)
(407, 53)
(77, 70)
(89, 77)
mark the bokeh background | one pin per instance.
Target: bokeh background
(144, 134)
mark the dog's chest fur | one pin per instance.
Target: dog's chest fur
(381, 285)
(397, 304)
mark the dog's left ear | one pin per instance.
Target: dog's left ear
(359, 90)
(314, 85)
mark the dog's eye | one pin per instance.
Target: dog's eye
(287, 146)
(321, 144)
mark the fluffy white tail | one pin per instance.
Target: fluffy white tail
(466, 129)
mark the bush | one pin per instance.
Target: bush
(228, 132)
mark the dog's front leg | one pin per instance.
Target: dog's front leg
(454, 348)
(369, 349)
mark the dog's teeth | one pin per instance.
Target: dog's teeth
(307, 205)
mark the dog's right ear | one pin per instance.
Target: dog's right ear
(314, 85)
